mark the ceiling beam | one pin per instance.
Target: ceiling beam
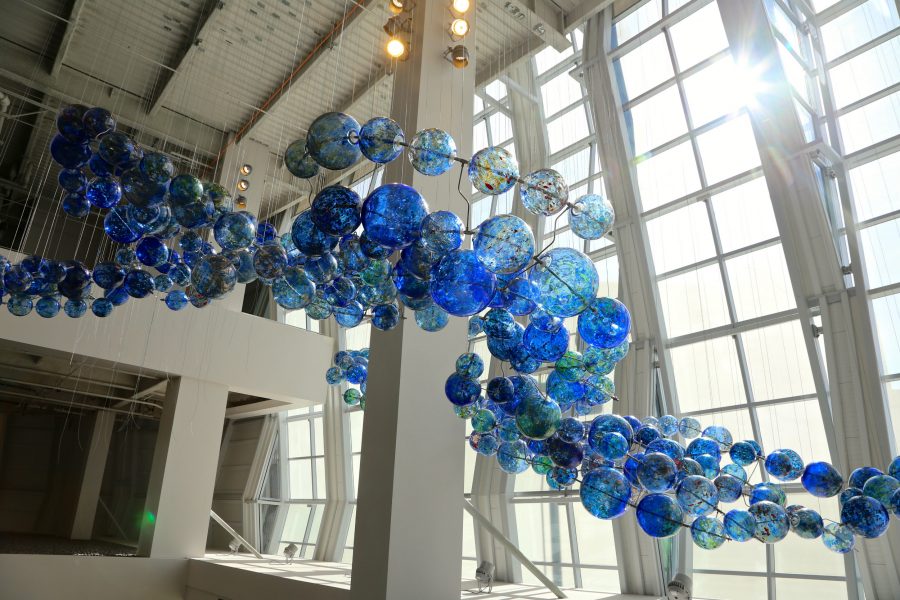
(312, 58)
(544, 19)
(71, 24)
(212, 10)
(583, 12)
(509, 58)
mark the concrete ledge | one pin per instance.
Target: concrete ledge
(247, 578)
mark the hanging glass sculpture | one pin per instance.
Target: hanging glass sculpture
(332, 141)
(432, 152)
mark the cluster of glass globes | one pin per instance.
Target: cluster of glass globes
(351, 366)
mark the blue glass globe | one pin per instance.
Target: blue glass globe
(838, 538)
(432, 318)
(163, 283)
(461, 285)
(605, 493)
(102, 307)
(493, 170)
(605, 323)
(544, 192)
(729, 487)
(742, 453)
(708, 533)
(176, 300)
(512, 457)
(392, 215)
(76, 206)
(194, 214)
(567, 281)
(689, 427)
(767, 492)
(76, 285)
(894, 468)
(865, 516)
(151, 251)
(300, 283)
(116, 148)
(141, 191)
(118, 296)
(500, 390)
(806, 523)
(462, 391)
(612, 445)
(47, 307)
(157, 167)
(659, 515)
(336, 210)
(470, 365)
(772, 523)
(70, 124)
(822, 480)
(17, 279)
(235, 230)
(70, 155)
(118, 228)
(108, 275)
(213, 276)
(97, 121)
(719, 434)
(308, 238)
(608, 423)
(138, 283)
(882, 488)
(488, 445)
(332, 141)
(104, 192)
(592, 217)
(740, 525)
(381, 140)
(697, 495)
(100, 167)
(266, 232)
(270, 261)
(441, 231)
(385, 316)
(72, 180)
(571, 430)
(546, 346)
(784, 464)
(298, 161)
(657, 472)
(432, 152)
(504, 244)
(75, 308)
(185, 189)
(860, 476)
(564, 454)
(538, 418)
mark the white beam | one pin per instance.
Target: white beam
(583, 12)
(542, 17)
(91, 481)
(66, 41)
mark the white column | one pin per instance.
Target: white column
(86, 510)
(176, 516)
(408, 539)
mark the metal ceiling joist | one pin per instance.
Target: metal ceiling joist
(319, 52)
(544, 19)
(74, 14)
(583, 12)
(212, 10)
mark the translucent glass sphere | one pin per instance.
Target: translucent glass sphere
(592, 217)
(605, 323)
(432, 152)
(512, 457)
(102, 307)
(332, 140)
(298, 161)
(697, 495)
(659, 515)
(772, 523)
(538, 418)
(70, 123)
(441, 231)
(544, 192)
(269, 261)
(68, 154)
(493, 170)
(806, 523)
(784, 465)
(821, 479)
(176, 300)
(605, 493)
(213, 276)
(151, 251)
(138, 283)
(504, 244)
(336, 210)
(567, 281)
(657, 472)
(72, 180)
(385, 316)
(308, 238)
(708, 533)
(838, 538)
(461, 285)
(98, 121)
(740, 525)
(381, 140)
(392, 215)
(235, 230)
(116, 148)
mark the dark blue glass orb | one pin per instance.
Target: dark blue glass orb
(76, 206)
(213, 276)
(729, 488)
(163, 283)
(381, 140)
(308, 238)
(546, 346)
(659, 515)
(742, 453)
(806, 523)
(484, 421)
(47, 307)
(151, 251)
(689, 427)
(104, 192)
(17, 279)
(605, 323)
(53, 271)
(102, 307)
(461, 285)
(860, 476)
(740, 525)
(630, 468)
(462, 390)
(512, 457)
(190, 241)
(697, 495)
(194, 215)
(571, 430)
(543, 320)
(298, 160)
(75, 308)
(332, 141)
(605, 493)
(504, 244)
(69, 155)
(108, 275)
(157, 167)
(882, 488)
(270, 261)
(372, 249)
(499, 323)
(784, 465)
(99, 167)
(895, 503)
(341, 291)
(432, 152)
(408, 284)
(850, 492)
(500, 390)
(470, 365)
(767, 492)
(508, 430)
(538, 418)
(709, 464)
(719, 434)
(418, 259)
(838, 538)
(493, 170)
(865, 516)
(185, 189)
(821, 480)
(334, 375)
(98, 121)
(70, 124)
(559, 478)
(218, 195)
(118, 296)
(505, 348)
(285, 296)
(544, 192)
(442, 231)
(385, 316)
(703, 446)
(564, 454)
(266, 232)
(19, 305)
(138, 283)
(116, 148)
(392, 215)
(176, 300)
(349, 315)
(708, 533)
(894, 468)
(563, 391)
(567, 280)
(336, 210)
(72, 180)
(322, 269)
(605, 424)
(645, 434)
(522, 296)
(76, 285)
(118, 228)
(592, 217)
(235, 230)
(612, 445)
(772, 523)
(670, 448)
(657, 472)
(488, 444)
(141, 191)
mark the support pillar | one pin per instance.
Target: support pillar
(176, 516)
(408, 541)
(86, 510)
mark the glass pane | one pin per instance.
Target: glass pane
(560, 92)
(601, 580)
(872, 123)
(543, 531)
(576, 167)
(645, 67)
(301, 478)
(731, 556)
(319, 464)
(728, 150)
(356, 429)
(716, 91)
(795, 73)
(876, 187)
(681, 237)
(856, 27)
(356, 458)
(468, 545)
(548, 58)
(299, 442)
(595, 539)
(778, 362)
(795, 425)
(867, 73)
(729, 587)
(760, 283)
(886, 314)
(496, 89)
(892, 389)
(693, 301)
(881, 248)
(810, 557)
(501, 128)
(699, 36)
(667, 176)
(567, 129)
(637, 21)
(319, 438)
(735, 208)
(479, 136)
(811, 588)
(657, 120)
(707, 375)
(609, 277)
(296, 523)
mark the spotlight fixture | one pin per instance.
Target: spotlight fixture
(459, 28)
(399, 6)
(461, 6)
(396, 48)
(241, 202)
(243, 185)
(458, 55)
(246, 169)
(397, 25)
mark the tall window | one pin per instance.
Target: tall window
(306, 479)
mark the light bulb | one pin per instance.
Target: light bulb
(459, 27)
(243, 185)
(246, 169)
(395, 48)
(461, 6)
